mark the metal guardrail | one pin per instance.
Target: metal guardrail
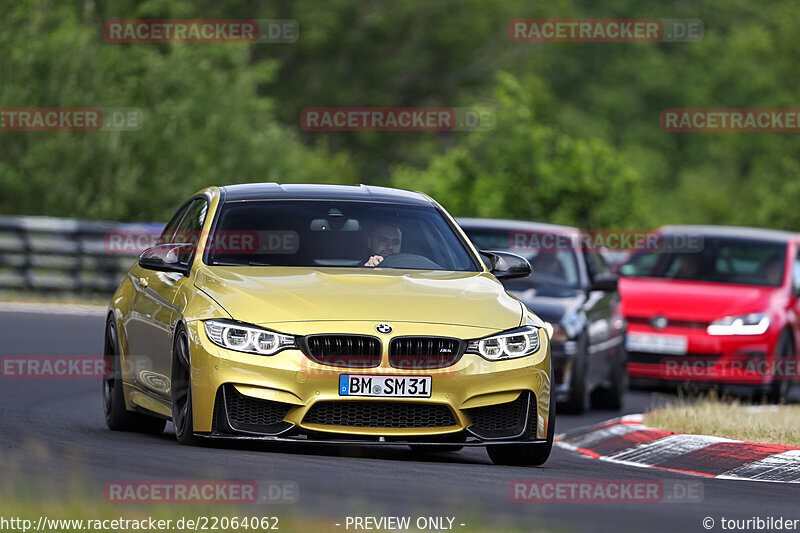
(48, 254)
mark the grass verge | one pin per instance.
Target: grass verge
(732, 419)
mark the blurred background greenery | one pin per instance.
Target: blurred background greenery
(577, 138)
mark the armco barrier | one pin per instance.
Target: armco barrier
(62, 255)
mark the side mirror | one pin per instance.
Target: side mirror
(506, 265)
(167, 258)
(605, 282)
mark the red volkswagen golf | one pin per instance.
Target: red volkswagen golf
(715, 305)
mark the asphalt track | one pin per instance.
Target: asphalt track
(53, 439)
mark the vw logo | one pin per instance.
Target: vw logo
(383, 328)
(659, 322)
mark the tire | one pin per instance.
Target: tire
(181, 389)
(612, 398)
(781, 384)
(578, 400)
(526, 454)
(117, 417)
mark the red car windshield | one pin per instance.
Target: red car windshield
(719, 260)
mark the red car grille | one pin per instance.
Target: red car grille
(677, 323)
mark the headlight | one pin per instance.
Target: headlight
(248, 339)
(752, 324)
(517, 343)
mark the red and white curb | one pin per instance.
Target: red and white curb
(627, 441)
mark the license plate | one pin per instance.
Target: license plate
(663, 344)
(386, 386)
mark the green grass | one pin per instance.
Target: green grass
(732, 419)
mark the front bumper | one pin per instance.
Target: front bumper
(735, 360)
(293, 384)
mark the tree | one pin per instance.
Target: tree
(526, 170)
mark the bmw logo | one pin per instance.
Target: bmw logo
(659, 322)
(383, 328)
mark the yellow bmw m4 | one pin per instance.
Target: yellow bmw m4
(328, 314)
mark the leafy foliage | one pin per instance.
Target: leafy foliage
(577, 140)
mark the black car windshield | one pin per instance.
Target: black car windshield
(552, 264)
(328, 233)
(719, 260)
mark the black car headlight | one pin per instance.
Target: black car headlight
(249, 339)
(509, 345)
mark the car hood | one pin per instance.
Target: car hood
(550, 303)
(262, 295)
(692, 300)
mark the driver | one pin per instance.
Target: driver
(689, 267)
(773, 272)
(385, 240)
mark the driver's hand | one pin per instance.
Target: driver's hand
(373, 261)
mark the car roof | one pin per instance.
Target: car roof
(511, 225)
(318, 191)
(732, 232)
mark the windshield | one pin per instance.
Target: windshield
(554, 265)
(322, 233)
(719, 260)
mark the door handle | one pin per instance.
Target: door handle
(143, 283)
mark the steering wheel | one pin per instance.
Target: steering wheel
(409, 261)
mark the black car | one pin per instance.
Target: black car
(572, 289)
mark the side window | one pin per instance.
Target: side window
(189, 228)
(172, 225)
(796, 275)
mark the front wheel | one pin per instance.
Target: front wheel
(526, 454)
(181, 389)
